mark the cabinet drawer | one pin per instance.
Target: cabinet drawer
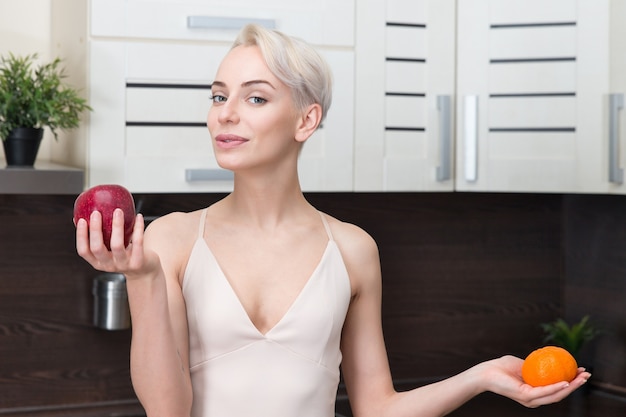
(407, 11)
(547, 42)
(324, 22)
(406, 42)
(172, 61)
(161, 159)
(168, 103)
(405, 77)
(176, 142)
(405, 112)
(533, 112)
(548, 78)
(159, 175)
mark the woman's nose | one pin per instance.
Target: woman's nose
(227, 112)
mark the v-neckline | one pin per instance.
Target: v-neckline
(293, 303)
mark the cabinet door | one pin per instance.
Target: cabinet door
(603, 135)
(168, 146)
(105, 148)
(617, 89)
(322, 22)
(326, 159)
(532, 82)
(148, 128)
(404, 97)
(151, 67)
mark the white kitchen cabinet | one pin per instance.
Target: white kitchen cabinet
(150, 67)
(530, 85)
(533, 83)
(405, 76)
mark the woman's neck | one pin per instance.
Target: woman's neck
(266, 203)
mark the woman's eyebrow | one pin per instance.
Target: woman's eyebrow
(253, 82)
(221, 84)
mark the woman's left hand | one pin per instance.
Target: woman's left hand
(504, 377)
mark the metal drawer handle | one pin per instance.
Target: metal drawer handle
(228, 23)
(444, 170)
(470, 134)
(616, 103)
(200, 174)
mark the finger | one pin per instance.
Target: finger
(82, 240)
(137, 255)
(117, 232)
(583, 376)
(556, 392)
(96, 240)
(138, 230)
(83, 245)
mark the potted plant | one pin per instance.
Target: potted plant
(571, 338)
(32, 98)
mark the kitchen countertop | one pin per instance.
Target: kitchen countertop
(44, 178)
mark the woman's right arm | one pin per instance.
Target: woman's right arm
(159, 358)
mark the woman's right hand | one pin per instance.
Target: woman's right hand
(132, 261)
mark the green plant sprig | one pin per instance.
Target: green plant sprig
(36, 97)
(571, 338)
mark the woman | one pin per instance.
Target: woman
(248, 307)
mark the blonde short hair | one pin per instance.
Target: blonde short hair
(294, 62)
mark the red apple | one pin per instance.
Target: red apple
(105, 199)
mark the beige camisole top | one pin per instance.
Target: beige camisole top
(292, 370)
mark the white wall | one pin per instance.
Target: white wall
(25, 27)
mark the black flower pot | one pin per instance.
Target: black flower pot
(22, 145)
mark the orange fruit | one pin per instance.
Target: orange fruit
(549, 365)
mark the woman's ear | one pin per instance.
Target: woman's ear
(308, 122)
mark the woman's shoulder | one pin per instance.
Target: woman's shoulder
(173, 234)
(172, 237)
(357, 246)
(175, 224)
(345, 230)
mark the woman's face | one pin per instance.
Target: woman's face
(253, 118)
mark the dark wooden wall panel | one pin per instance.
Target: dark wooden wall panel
(595, 238)
(466, 277)
(51, 354)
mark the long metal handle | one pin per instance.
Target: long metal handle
(200, 174)
(470, 135)
(229, 23)
(616, 103)
(444, 170)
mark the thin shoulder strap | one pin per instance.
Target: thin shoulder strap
(201, 223)
(326, 226)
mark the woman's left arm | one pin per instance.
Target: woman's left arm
(365, 365)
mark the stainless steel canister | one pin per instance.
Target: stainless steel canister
(111, 311)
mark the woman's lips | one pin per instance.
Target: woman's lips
(228, 141)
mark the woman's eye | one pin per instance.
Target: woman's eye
(256, 100)
(216, 98)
